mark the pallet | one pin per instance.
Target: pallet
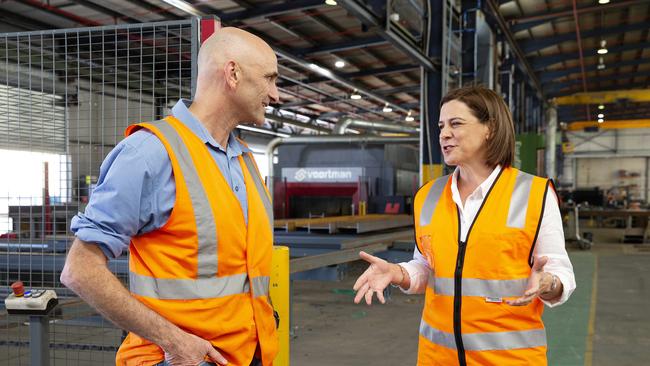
(350, 224)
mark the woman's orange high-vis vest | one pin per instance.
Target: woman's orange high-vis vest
(465, 319)
(206, 270)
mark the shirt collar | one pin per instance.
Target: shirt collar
(182, 113)
(481, 190)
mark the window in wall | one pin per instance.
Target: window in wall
(22, 181)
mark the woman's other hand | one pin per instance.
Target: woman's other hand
(540, 284)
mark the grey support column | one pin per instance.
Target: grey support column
(551, 128)
(39, 340)
(430, 154)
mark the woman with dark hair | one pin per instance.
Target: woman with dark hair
(490, 245)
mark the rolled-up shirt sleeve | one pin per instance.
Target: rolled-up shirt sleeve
(132, 195)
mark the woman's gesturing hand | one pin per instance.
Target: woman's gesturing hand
(375, 279)
(540, 284)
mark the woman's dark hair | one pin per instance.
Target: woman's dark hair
(489, 108)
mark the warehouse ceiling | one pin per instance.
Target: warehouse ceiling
(309, 36)
(547, 33)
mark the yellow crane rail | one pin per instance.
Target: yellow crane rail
(610, 125)
(603, 97)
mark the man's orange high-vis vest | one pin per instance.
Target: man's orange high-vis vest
(206, 270)
(465, 319)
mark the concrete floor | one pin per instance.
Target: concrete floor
(609, 326)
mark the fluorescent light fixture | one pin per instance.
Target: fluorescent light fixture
(602, 2)
(339, 64)
(601, 67)
(184, 6)
(600, 120)
(321, 70)
(387, 109)
(330, 2)
(601, 107)
(600, 115)
(263, 131)
(355, 95)
(603, 49)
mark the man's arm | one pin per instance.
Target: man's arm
(86, 273)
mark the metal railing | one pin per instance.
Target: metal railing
(66, 97)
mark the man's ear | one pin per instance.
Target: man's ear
(232, 74)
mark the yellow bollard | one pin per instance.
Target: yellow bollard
(279, 291)
(362, 208)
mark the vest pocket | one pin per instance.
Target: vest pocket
(425, 242)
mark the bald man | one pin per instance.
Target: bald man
(184, 196)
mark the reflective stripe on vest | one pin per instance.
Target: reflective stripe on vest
(261, 286)
(259, 185)
(188, 289)
(519, 200)
(202, 288)
(206, 226)
(207, 285)
(432, 199)
(481, 288)
(486, 341)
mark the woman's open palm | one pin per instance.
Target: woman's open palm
(374, 280)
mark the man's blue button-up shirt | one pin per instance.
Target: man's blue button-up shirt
(136, 190)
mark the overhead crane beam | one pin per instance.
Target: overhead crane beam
(610, 125)
(613, 96)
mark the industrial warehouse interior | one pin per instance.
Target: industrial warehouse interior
(361, 150)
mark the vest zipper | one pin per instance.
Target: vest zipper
(458, 277)
(458, 298)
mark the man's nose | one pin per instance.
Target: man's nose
(274, 94)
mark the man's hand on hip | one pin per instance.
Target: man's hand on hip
(191, 350)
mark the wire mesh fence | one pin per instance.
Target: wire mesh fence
(66, 97)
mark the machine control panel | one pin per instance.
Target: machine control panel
(30, 302)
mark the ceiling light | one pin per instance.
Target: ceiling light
(603, 2)
(339, 64)
(321, 70)
(333, 2)
(602, 50)
(409, 118)
(600, 115)
(600, 67)
(387, 109)
(601, 107)
(355, 95)
(184, 6)
(600, 120)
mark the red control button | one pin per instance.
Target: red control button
(18, 288)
